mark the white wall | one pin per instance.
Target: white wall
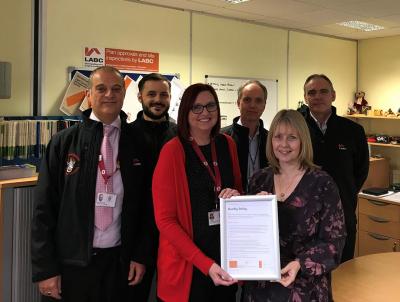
(379, 77)
(337, 58)
(223, 47)
(189, 44)
(74, 24)
(15, 47)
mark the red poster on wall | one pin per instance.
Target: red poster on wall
(122, 59)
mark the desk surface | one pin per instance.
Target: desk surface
(6, 184)
(18, 182)
(371, 278)
(393, 198)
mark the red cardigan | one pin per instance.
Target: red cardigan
(177, 253)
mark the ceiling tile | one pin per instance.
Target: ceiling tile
(317, 16)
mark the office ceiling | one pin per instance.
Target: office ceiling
(315, 16)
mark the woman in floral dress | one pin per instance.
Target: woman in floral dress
(311, 222)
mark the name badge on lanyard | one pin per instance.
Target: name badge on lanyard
(106, 200)
(213, 218)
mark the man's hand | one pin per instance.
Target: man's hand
(51, 287)
(136, 273)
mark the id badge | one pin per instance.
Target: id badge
(106, 200)
(213, 218)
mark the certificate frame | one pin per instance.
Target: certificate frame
(250, 237)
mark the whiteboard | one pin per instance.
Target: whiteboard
(227, 91)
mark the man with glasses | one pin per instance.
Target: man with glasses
(248, 129)
(151, 130)
(340, 148)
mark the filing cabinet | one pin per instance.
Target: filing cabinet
(378, 226)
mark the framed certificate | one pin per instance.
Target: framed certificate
(250, 237)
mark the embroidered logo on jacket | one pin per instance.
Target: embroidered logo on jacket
(342, 147)
(72, 165)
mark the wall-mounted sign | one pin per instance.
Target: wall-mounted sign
(121, 59)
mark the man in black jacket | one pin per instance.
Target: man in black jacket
(248, 129)
(340, 148)
(76, 254)
(151, 130)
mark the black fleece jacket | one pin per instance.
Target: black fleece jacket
(240, 135)
(63, 219)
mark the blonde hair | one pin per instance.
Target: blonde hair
(295, 120)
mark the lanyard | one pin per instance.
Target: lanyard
(216, 176)
(253, 161)
(103, 171)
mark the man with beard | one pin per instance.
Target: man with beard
(151, 130)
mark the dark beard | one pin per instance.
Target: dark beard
(148, 113)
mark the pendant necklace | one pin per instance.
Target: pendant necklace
(282, 194)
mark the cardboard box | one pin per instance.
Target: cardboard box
(378, 174)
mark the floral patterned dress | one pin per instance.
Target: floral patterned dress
(311, 230)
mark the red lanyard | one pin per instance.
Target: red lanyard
(103, 171)
(216, 176)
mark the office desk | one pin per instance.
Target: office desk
(371, 278)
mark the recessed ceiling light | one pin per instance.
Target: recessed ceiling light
(235, 1)
(364, 26)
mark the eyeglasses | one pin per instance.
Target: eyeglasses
(211, 107)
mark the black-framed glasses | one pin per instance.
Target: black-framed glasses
(211, 107)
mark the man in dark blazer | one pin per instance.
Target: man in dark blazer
(248, 129)
(340, 148)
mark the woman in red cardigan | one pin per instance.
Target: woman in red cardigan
(193, 171)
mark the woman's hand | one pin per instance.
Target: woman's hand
(289, 273)
(228, 193)
(264, 193)
(219, 276)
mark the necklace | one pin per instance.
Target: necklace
(281, 194)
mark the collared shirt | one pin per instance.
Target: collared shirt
(111, 236)
(253, 160)
(322, 126)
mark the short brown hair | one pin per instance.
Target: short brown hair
(317, 76)
(153, 77)
(258, 83)
(188, 98)
(295, 120)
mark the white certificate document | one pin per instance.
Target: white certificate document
(250, 237)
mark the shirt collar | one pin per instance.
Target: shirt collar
(239, 122)
(322, 125)
(116, 123)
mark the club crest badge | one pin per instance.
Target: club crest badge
(72, 165)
